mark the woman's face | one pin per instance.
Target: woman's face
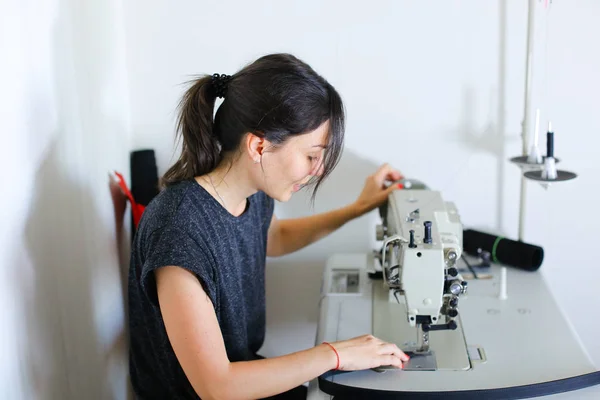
(289, 167)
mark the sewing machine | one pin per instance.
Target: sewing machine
(473, 342)
(421, 288)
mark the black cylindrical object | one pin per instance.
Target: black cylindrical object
(550, 144)
(504, 251)
(412, 244)
(144, 176)
(144, 179)
(427, 237)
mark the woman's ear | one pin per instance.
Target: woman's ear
(255, 146)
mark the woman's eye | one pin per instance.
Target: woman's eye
(312, 159)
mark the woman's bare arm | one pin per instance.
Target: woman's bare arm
(289, 235)
(196, 338)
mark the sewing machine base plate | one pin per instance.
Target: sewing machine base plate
(421, 361)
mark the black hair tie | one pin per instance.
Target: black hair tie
(219, 83)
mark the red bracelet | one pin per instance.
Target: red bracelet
(336, 354)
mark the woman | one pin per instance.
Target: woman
(196, 287)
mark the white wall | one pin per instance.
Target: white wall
(64, 125)
(437, 90)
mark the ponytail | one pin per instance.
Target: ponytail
(200, 149)
(275, 97)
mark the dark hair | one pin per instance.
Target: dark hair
(274, 97)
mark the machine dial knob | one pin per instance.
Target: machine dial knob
(456, 288)
(451, 257)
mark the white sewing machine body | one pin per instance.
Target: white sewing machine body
(422, 238)
(422, 242)
(493, 344)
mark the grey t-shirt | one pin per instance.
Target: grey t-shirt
(185, 226)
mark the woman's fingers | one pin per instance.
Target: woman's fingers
(388, 359)
(390, 348)
(387, 172)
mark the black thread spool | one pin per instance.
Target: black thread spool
(541, 176)
(550, 144)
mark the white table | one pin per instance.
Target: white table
(293, 292)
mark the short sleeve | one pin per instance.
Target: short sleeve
(172, 246)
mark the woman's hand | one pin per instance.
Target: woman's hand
(375, 192)
(366, 352)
